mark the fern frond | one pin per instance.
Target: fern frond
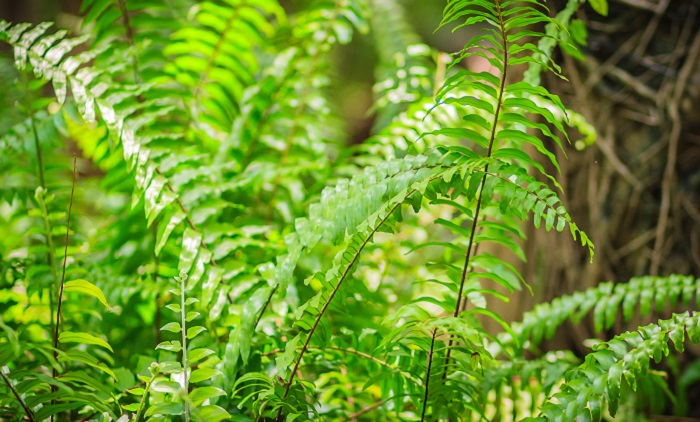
(134, 33)
(618, 365)
(214, 57)
(644, 294)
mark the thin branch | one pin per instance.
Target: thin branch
(467, 256)
(427, 374)
(666, 183)
(63, 279)
(27, 410)
(330, 299)
(355, 352)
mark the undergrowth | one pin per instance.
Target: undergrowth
(232, 259)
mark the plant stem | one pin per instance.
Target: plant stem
(63, 277)
(427, 375)
(330, 299)
(142, 403)
(51, 253)
(364, 355)
(27, 410)
(467, 256)
(183, 319)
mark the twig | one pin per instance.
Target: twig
(54, 373)
(640, 4)
(330, 299)
(651, 27)
(427, 374)
(674, 114)
(27, 410)
(190, 223)
(605, 146)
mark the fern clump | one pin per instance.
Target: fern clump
(313, 280)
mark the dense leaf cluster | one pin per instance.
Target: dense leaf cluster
(227, 258)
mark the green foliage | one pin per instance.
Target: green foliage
(211, 153)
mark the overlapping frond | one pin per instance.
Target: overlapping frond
(216, 58)
(639, 295)
(617, 366)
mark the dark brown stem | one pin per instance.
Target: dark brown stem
(63, 278)
(267, 303)
(427, 374)
(330, 299)
(467, 257)
(28, 411)
(130, 39)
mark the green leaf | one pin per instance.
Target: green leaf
(165, 409)
(83, 338)
(173, 327)
(86, 358)
(203, 374)
(213, 413)
(174, 307)
(195, 355)
(192, 332)
(84, 286)
(198, 395)
(165, 386)
(172, 346)
(191, 242)
(600, 6)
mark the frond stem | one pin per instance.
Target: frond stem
(330, 299)
(427, 374)
(142, 403)
(217, 50)
(54, 373)
(183, 330)
(265, 305)
(355, 352)
(130, 39)
(27, 410)
(51, 252)
(190, 223)
(477, 211)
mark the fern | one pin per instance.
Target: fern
(617, 364)
(605, 301)
(213, 155)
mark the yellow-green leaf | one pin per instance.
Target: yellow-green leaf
(600, 6)
(83, 338)
(84, 286)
